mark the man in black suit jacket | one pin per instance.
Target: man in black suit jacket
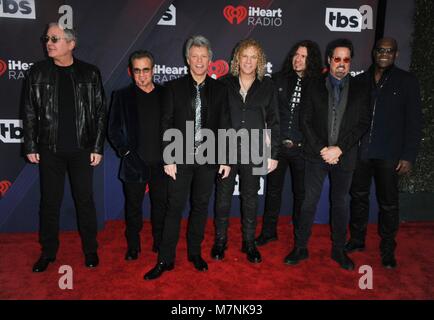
(334, 115)
(135, 133)
(201, 100)
(387, 150)
(302, 64)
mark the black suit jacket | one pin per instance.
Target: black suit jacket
(260, 110)
(314, 120)
(123, 133)
(178, 107)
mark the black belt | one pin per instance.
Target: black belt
(290, 144)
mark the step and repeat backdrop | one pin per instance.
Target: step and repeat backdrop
(108, 31)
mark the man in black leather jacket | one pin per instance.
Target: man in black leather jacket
(64, 128)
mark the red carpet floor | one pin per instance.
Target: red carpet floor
(234, 278)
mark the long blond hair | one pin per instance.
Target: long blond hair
(241, 46)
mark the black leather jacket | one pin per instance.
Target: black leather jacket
(40, 113)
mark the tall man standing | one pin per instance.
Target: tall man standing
(64, 129)
(199, 99)
(135, 133)
(387, 150)
(334, 116)
(302, 64)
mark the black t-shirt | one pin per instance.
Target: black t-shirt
(149, 118)
(67, 131)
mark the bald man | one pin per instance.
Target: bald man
(387, 150)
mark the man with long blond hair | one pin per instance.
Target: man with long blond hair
(252, 100)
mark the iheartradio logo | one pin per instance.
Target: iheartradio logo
(4, 187)
(3, 67)
(218, 68)
(232, 13)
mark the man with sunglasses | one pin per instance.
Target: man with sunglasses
(135, 133)
(64, 128)
(334, 116)
(387, 150)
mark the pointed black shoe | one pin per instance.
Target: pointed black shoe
(253, 255)
(198, 262)
(296, 255)
(218, 251)
(352, 246)
(388, 261)
(42, 263)
(158, 270)
(263, 239)
(91, 260)
(132, 254)
(342, 259)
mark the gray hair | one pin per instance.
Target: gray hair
(70, 34)
(198, 41)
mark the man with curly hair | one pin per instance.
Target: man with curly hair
(302, 64)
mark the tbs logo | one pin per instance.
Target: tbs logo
(349, 20)
(169, 17)
(21, 9)
(11, 131)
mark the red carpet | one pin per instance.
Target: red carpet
(234, 278)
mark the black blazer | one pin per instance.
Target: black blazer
(123, 133)
(285, 84)
(314, 120)
(178, 107)
(397, 124)
(259, 111)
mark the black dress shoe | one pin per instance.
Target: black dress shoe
(158, 270)
(352, 246)
(42, 263)
(198, 262)
(263, 239)
(218, 251)
(296, 255)
(253, 255)
(342, 259)
(388, 261)
(132, 254)
(91, 260)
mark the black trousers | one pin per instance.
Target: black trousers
(386, 184)
(340, 182)
(52, 170)
(293, 159)
(198, 181)
(249, 186)
(134, 195)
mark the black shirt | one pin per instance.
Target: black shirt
(67, 131)
(149, 135)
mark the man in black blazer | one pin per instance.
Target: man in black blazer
(387, 150)
(302, 64)
(135, 133)
(334, 115)
(202, 101)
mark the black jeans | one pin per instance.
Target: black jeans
(249, 186)
(52, 170)
(134, 194)
(386, 184)
(293, 159)
(198, 181)
(340, 182)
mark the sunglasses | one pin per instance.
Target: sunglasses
(385, 50)
(53, 39)
(139, 71)
(339, 59)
